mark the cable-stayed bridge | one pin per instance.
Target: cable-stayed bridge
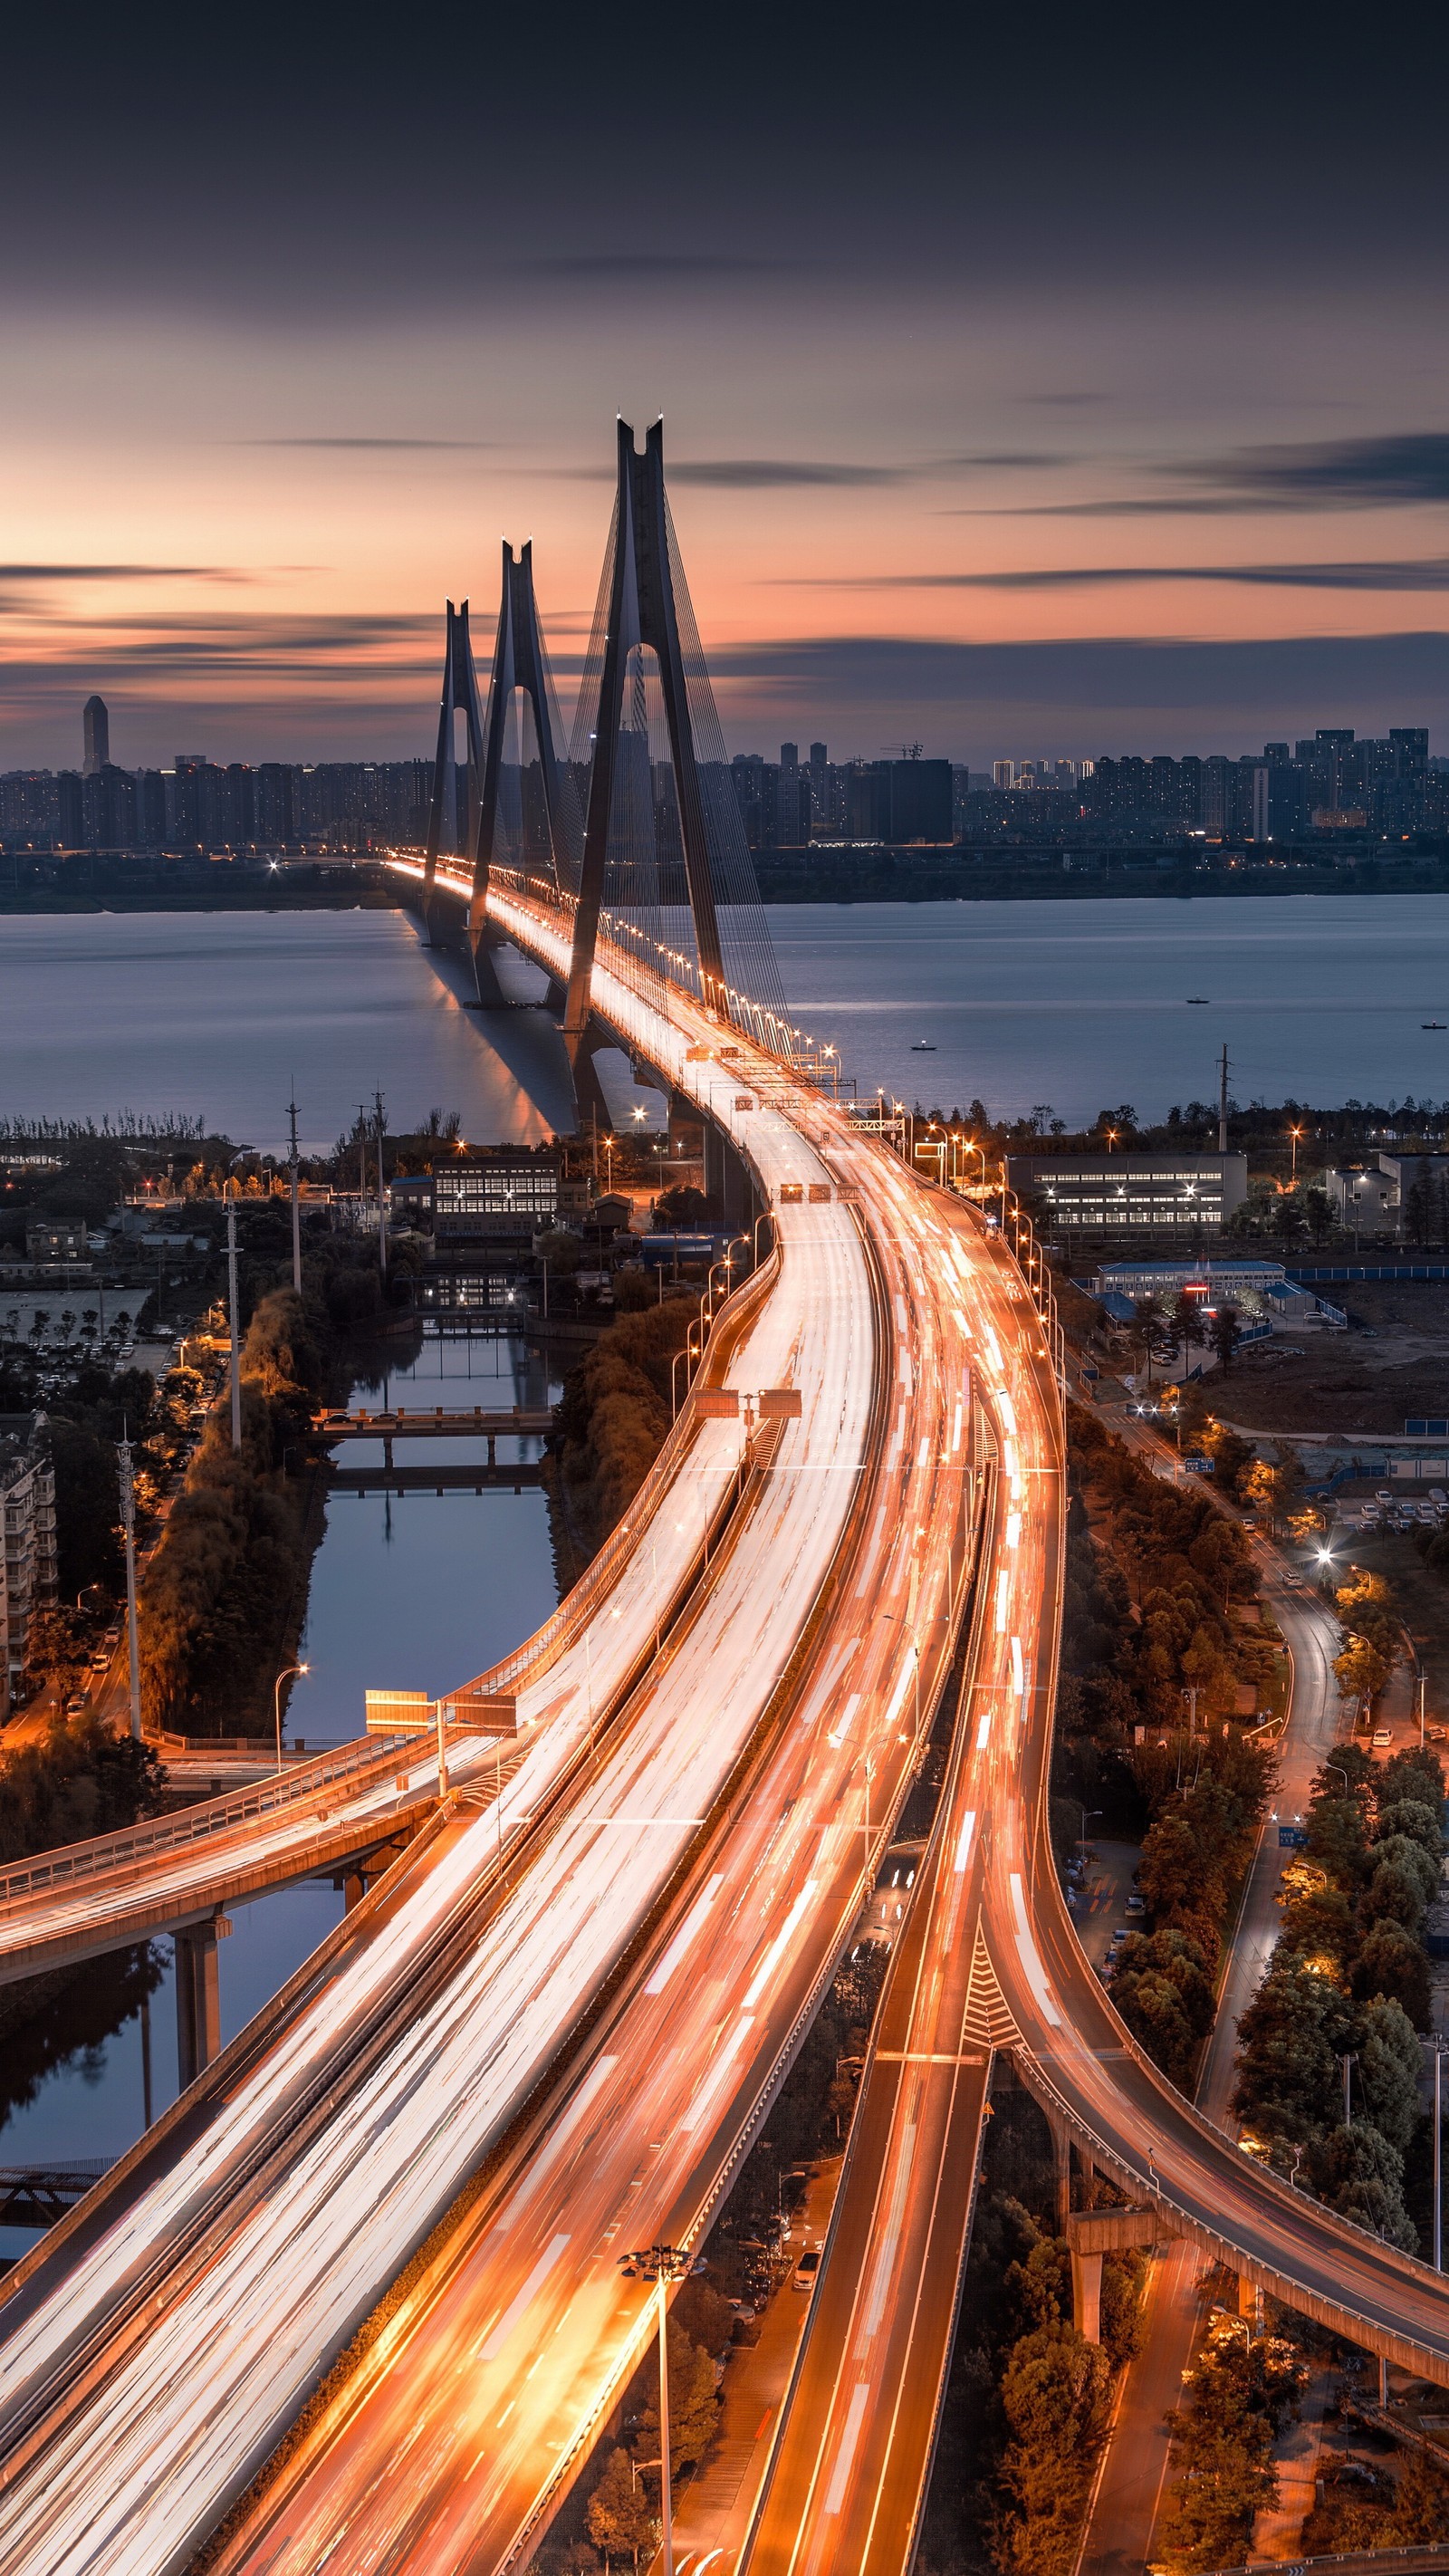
(552, 2029)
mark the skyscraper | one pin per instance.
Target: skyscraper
(97, 724)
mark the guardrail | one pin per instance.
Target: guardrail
(78, 1861)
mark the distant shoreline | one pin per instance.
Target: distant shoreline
(363, 899)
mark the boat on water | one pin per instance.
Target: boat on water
(924, 1046)
(1434, 1024)
(1198, 1002)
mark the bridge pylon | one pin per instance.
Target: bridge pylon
(454, 806)
(510, 824)
(642, 608)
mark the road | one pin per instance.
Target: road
(291, 2261)
(605, 2009)
(1130, 2489)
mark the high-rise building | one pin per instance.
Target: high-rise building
(96, 724)
(1003, 773)
(27, 1540)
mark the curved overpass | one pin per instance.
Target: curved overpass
(616, 1993)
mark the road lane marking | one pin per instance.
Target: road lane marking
(778, 1946)
(835, 2492)
(963, 1848)
(517, 2306)
(839, 1733)
(1026, 1951)
(983, 1729)
(684, 1936)
(1003, 1587)
(1018, 1669)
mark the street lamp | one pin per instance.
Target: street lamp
(661, 2264)
(1295, 1133)
(277, 1701)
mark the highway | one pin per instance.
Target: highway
(124, 2461)
(852, 2453)
(448, 2445)
(576, 2003)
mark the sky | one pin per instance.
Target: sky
(1037, 384)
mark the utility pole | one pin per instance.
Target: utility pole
(296, 1210)
(381, 1193)
(661, 2264)
(235, 1324)
(1223, 1105)
(361, 1164)
(128, 1525)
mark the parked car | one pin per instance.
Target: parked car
(1382, 1738)
(806, 2269)
(1136, 1904)
(1120, 1935)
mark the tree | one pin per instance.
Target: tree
(1055, 2396)
(1237, 2397)
(1226, 1332)
(1357, 2172)
(1290, 2041)
(1392, 1963)
(1388, 2071)
(1149, 1334)
(693, 2401)
(620, 2517)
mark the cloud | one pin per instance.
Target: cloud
(1404, 471)
(1247, 678)
(38, 572)
(1010, 460)
(763, 473)
(1337, 473)
(1429, 573)
(385, 445)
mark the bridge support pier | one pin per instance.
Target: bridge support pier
(1091, 2234)
(198, 2001)
(1062, 2173)
(1250, 2298)
(1087, 2295)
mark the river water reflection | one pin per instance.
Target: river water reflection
(412, 1590)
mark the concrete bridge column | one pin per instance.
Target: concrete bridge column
(354, 1888)
(1087, 2295)
(198, 2001)
(1091, 2234)
(1062, 2174)
(1250, 2298)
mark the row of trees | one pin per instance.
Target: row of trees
(216, 1595)
(1373, 1636)
(613, 1417)
(1199, 1844)
(1328, 2059)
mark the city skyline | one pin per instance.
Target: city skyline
(1019, 386)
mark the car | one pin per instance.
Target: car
(1382, 1738)
(75, 1706)
(1437, 1734)
(99, 1660)
(1120, 1935)
(1136, 1904)
(806, 2269)
(1250, 1523)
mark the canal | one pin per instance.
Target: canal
(417, 1589)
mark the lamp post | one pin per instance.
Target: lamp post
(277, 1701)
(1295, 1133)
(128, 1525)
(234, 1324)
(296, 1211)
(661, 2264)
(1438, 2044)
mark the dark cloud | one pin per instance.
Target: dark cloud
(1339, 473)
(1256, 679)
(385, 444)
(1397, 471)
(1008, 460)
(764, 473)
(38, 572)
(1431, 573)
